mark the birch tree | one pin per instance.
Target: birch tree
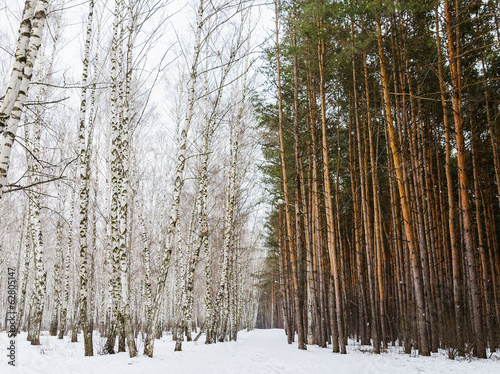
(119, 183)
(28, 45)
(84, 175)
(211, 121)
(37, 305)
(179, 183)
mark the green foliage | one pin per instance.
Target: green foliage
(348, 31)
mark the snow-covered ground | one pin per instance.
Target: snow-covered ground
(260, 351)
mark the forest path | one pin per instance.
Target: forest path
(256, 352)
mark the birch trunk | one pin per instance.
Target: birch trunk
(38, 246)
(20, 54)
(125, 126)
(179, 182)
(25, 273)
(54, 324)
(30, 36)
(115, 166)
(211, 123)
(37, 305)
(84, 174)
(221, 301)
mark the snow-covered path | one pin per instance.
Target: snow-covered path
(256, 352)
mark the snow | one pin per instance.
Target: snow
(259, 351)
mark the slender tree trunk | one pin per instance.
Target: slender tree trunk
(300, 295)
(416, 275)
(59, 260)
(115, 161)
(84, 174)
(179, 182)
(28, 45)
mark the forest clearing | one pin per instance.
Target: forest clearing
(249, 179)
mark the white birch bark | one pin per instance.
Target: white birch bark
(147, 267)
(94, 311)
(221, 305)
(115, 176)
(120, 125)
(33, 193)
(84, 174)
(125, 125)
(200, 213)
(25, 273)
(57, 278)
(19, 272)
(179, 182)
(13, 103)
(238, 273)
(93, 248)
(221, 301)
(16, 76)
(37, 240)
(66, 265)
(120, 186)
